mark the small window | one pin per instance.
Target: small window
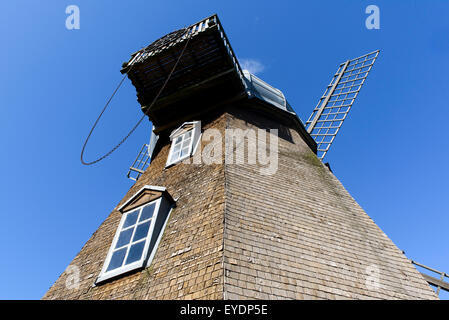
(144, 216)
(184, 140)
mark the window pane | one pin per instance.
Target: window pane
(175, 156)
(135, 253)
(117, 259)
(124, 237)
(147, 212)
(188, 134)
(177, 147)
(142, 231)
(184, 152)
(178, 139)
(186, 143)
(131, 219)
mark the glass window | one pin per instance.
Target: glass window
(181, 147)
(130, 246)
(183, 142)
(127, 251)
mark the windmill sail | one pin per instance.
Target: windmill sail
(338, 98)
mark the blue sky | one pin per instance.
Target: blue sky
(391, 153)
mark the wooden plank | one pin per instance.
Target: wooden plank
(436, 282)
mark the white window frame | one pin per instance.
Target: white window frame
(104, 275)
(178, 133)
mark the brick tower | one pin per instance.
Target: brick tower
(199, 224)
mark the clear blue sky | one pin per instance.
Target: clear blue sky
(391, 154)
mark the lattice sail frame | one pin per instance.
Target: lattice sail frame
(338, 98)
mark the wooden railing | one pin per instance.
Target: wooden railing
(438, 283)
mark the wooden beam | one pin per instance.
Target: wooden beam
(436, 282)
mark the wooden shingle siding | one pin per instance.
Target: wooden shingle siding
(298, 234)
(188, 262)
(237, 234)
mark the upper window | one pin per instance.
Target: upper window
(184, 140)
(144, 216)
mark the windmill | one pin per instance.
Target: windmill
(225, 231)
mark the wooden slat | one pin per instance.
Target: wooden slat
(436, 282)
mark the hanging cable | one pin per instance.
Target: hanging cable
(145, 111)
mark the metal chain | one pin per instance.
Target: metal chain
(141, 119)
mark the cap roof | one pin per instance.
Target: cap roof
(208, 65)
